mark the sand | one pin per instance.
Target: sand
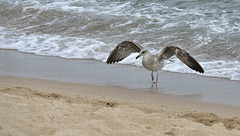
(35, 107)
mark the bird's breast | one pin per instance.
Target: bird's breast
(151, 63)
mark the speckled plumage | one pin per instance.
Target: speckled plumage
(152, 62)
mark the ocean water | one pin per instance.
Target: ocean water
(81, 29)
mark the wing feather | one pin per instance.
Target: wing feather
(182, 55)
(122, 50)
(167, 52)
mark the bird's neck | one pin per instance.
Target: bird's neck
(147, 54)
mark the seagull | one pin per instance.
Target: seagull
(152, 62)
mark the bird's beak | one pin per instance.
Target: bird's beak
(138, 56)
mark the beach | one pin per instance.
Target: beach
(35, 100)
(54, 80)
(42, 107)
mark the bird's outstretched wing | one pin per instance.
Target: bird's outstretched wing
(169, 51)
(122, 50)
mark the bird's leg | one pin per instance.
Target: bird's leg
(157, 78)
(152, 76)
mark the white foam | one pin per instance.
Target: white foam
(66, 47)
(214, 68)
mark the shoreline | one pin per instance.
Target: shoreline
(119, 64)
(186, 86)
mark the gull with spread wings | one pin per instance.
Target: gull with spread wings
(152, 62)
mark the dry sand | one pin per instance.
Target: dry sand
(39, 107)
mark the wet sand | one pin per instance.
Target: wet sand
(186, 86)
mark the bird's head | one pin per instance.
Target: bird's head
(142, 53)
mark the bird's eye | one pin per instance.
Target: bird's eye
(143, 51)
